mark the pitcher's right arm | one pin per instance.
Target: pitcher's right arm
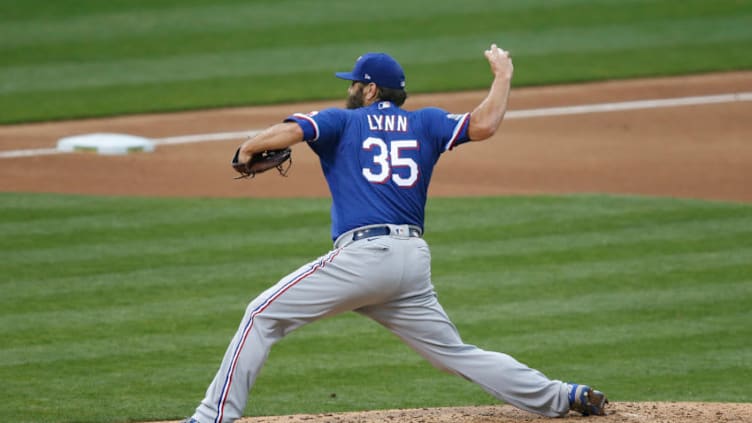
(486, 118)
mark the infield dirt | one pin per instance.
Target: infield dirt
(625, 412)
(699, 151)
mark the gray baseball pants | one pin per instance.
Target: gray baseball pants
(387, 278)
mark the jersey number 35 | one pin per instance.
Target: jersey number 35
(403, 171)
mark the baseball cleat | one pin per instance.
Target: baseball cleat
(587, 401)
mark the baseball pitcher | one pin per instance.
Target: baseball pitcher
(378, 159)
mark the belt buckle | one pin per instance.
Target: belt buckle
(403, 231)
(360, 234)
(371, 232)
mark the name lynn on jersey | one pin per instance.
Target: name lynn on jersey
(387, 123)
(391, 123)
(395, 123)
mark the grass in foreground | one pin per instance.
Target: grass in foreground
(119, 309)
(94, 58)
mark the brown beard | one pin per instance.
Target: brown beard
(355, 100)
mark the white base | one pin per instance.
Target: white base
(101, 143)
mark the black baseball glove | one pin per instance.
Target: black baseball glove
(263, 161)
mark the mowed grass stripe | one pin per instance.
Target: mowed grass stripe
(110, 245)
(41, 224)
(153, 57)
(649, 303)
(161, 252)
(62, 294)
(712, 249)
(518, 286)
(101, 228)
(42, 217)
(499, 242)
(635, 317)
(260, 61)
(141, 280)
(609, 257)
(705, 334)
(530, 220)
(356, 356)
(645, 295)
(149, 20)
(139, 318)
(231, 28)
(54, 291)
(100, 225)
(303, 85)
(583, 288)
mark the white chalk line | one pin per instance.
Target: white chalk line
(183, 139)
(630, 105)
(512, 114)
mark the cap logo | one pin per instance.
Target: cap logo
(367, 76)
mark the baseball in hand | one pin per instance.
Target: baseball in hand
(499, 51)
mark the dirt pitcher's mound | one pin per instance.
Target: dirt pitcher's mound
(621, 412)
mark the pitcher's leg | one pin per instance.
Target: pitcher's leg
(423, 325)
(227, 394)
(276, 312)
(343, 280)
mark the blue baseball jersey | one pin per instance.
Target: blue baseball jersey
(378, 160)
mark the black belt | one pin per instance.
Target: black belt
(381, 231)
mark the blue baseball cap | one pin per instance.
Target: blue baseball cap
(379, 68)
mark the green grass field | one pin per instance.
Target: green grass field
(75, 58)
(119, 309)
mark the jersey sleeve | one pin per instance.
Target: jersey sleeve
(320, 128)
(449, 129)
